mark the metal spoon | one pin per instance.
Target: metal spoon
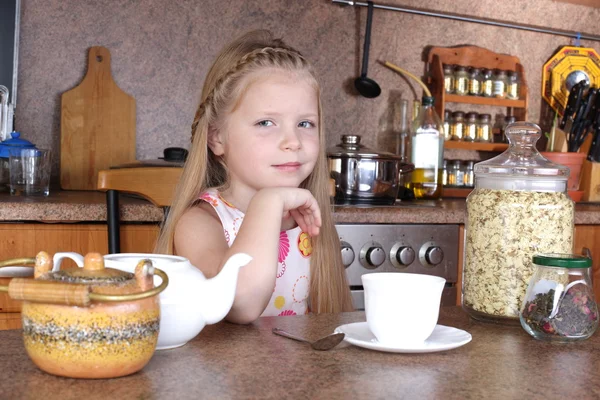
(366, 86)
(325, 343)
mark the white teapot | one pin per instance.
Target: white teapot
(190, 301)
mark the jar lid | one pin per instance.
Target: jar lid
(458, 114)
(351, 147)
(93, 273)
(14, 143)
(562, 260)
(521, 166)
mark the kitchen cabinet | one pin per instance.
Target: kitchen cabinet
(586, 236)
(26, 240)
(473, 56)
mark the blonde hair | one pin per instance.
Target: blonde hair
(222, 90)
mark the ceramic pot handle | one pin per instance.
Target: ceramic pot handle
(49, 292)
(58, 257)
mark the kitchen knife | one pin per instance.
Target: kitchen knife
(572, 106)
(583, 120)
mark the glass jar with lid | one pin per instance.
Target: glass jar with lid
(519, 207)
(487, 83)
(512, 85)
(457, 125)
(499, 84)
(461, 80)
(474, 88)
(447, 119)
(559, 304)
(484, 128)
(448, 78)
(470, 127)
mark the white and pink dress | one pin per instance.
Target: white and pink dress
(290, 295)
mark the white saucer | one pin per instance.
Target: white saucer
(442, 338)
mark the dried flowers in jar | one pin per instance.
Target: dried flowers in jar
(559, 304)
(518, 208)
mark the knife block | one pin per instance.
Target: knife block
(590, 181)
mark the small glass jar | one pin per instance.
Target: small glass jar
(484, 128)
(447, 119)
(518, 208)
(559, 304)
(470, 127)
(457, 125)
(487, 83)
(459, 173)
(512, 85)
(448, 78)
(445, 173)
(499, 84)
(468, 173)
(509, 119)
(474, 82)
(461, 81)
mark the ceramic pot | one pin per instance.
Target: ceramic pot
(90, 322)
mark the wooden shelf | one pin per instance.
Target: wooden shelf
(486, 101)
(454, 144)
(455, 192)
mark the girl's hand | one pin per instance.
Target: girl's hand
(300, 205)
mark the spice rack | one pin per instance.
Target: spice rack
(477, 57)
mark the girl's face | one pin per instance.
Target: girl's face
(271, 139)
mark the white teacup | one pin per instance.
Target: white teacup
(402, 308)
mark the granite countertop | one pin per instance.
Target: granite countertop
(80, 206)
(248, 361)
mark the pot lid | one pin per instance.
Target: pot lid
(93, 272)
(15, 142)
(351, 147)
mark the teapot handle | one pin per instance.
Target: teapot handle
(58, 257)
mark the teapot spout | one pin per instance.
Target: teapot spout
(219, 292)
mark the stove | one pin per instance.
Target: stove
(410, 248)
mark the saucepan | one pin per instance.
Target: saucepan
(365, 176)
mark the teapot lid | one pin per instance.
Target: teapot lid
(15, 142)
(92, 273)
(351, 147)
(521, 166)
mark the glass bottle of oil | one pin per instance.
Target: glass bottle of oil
(427, 152)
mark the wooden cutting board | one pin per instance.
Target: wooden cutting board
(97, 125)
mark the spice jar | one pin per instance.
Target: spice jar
(445, 173)
(501, 137)
(499, 84)
(518, 208)
(559, 303)
(474, 82)
(470, 127)
(512, 85)
(487, 83)
(448, 78)
(484, 128)
(457, 125)
(461, 80)
(468, 173)
(447, 118)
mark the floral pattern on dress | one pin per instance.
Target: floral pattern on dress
(284, 246)
(304, 244)
(281, 269)
(209, 199)
(228, 204)
(286, 313)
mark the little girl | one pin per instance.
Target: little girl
(256, 182)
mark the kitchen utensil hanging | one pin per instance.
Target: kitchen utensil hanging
(367, 87)
(564, 70)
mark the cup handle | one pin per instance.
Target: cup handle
(58, 257)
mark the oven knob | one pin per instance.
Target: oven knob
(434, 255)
(347, 254)
(405, 255)
(375, 256)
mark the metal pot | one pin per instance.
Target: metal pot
(363, 175)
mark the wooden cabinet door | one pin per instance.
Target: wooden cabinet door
(588, 236)
(26, 240)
